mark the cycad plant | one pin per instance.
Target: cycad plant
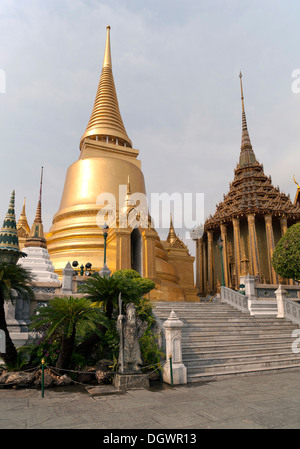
(70, 317)
(13, 278)
(105, 291)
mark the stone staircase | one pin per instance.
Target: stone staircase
(219, 341)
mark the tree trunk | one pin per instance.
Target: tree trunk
(109, 309)
(87, 345)
(65, 355)
(10, 355)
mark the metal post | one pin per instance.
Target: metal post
(121, 348)
(43, 363)
(171, 370)
(222, 267)
(105, 237)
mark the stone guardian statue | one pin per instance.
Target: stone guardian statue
(130, 328)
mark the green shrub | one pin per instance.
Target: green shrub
(286, 256)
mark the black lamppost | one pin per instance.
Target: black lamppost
(88, 267)
(105, 227)
(220, 245)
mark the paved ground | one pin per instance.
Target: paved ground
(254, 402)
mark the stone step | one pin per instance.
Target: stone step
(248, 339)
(198, 308)
(219, 341)
(212, 333)
(208, 377)
(245, 365)
(210, 318)
(199, 354)
(211, 347)
(232, 358)
(212, 321)
(223, 329)
(229, 323)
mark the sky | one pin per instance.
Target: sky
(175, 64)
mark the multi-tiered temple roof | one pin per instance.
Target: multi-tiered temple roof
(251, 191)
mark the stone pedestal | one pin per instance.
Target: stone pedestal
(17, 320)
(173, 327)
(131, 381)
(67, 283)
(280, 295)
(249, 282)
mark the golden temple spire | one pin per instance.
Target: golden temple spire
(36, 237)
(38, 215)
(172, 234)
(297, 197)
(106, 123)
(247, 156)
(107, 54)
(22, 222)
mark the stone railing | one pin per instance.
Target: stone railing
(235, 299)
(264, 291)
(291, 311)
(287, 308)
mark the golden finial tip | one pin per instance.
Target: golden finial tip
(108, 27)
(240, 75)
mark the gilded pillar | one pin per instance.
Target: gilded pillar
(237, 249)
(199, 265)
(149, 253)
(205, 283)
(254, 258)
(210, 254)
(123, 249)
(225, 253)
(270, 246)
(283, 225)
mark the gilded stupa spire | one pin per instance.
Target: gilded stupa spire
(173, 238)
(106, 123)
(22, 222)
(247, 156)
(172, 234)
(36, 237)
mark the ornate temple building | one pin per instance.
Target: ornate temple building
(107, 160)
(246, 225)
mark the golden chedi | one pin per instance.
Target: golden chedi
(107, 161)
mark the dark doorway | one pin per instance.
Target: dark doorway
(136, 251)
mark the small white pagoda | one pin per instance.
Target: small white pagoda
(38, 260)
